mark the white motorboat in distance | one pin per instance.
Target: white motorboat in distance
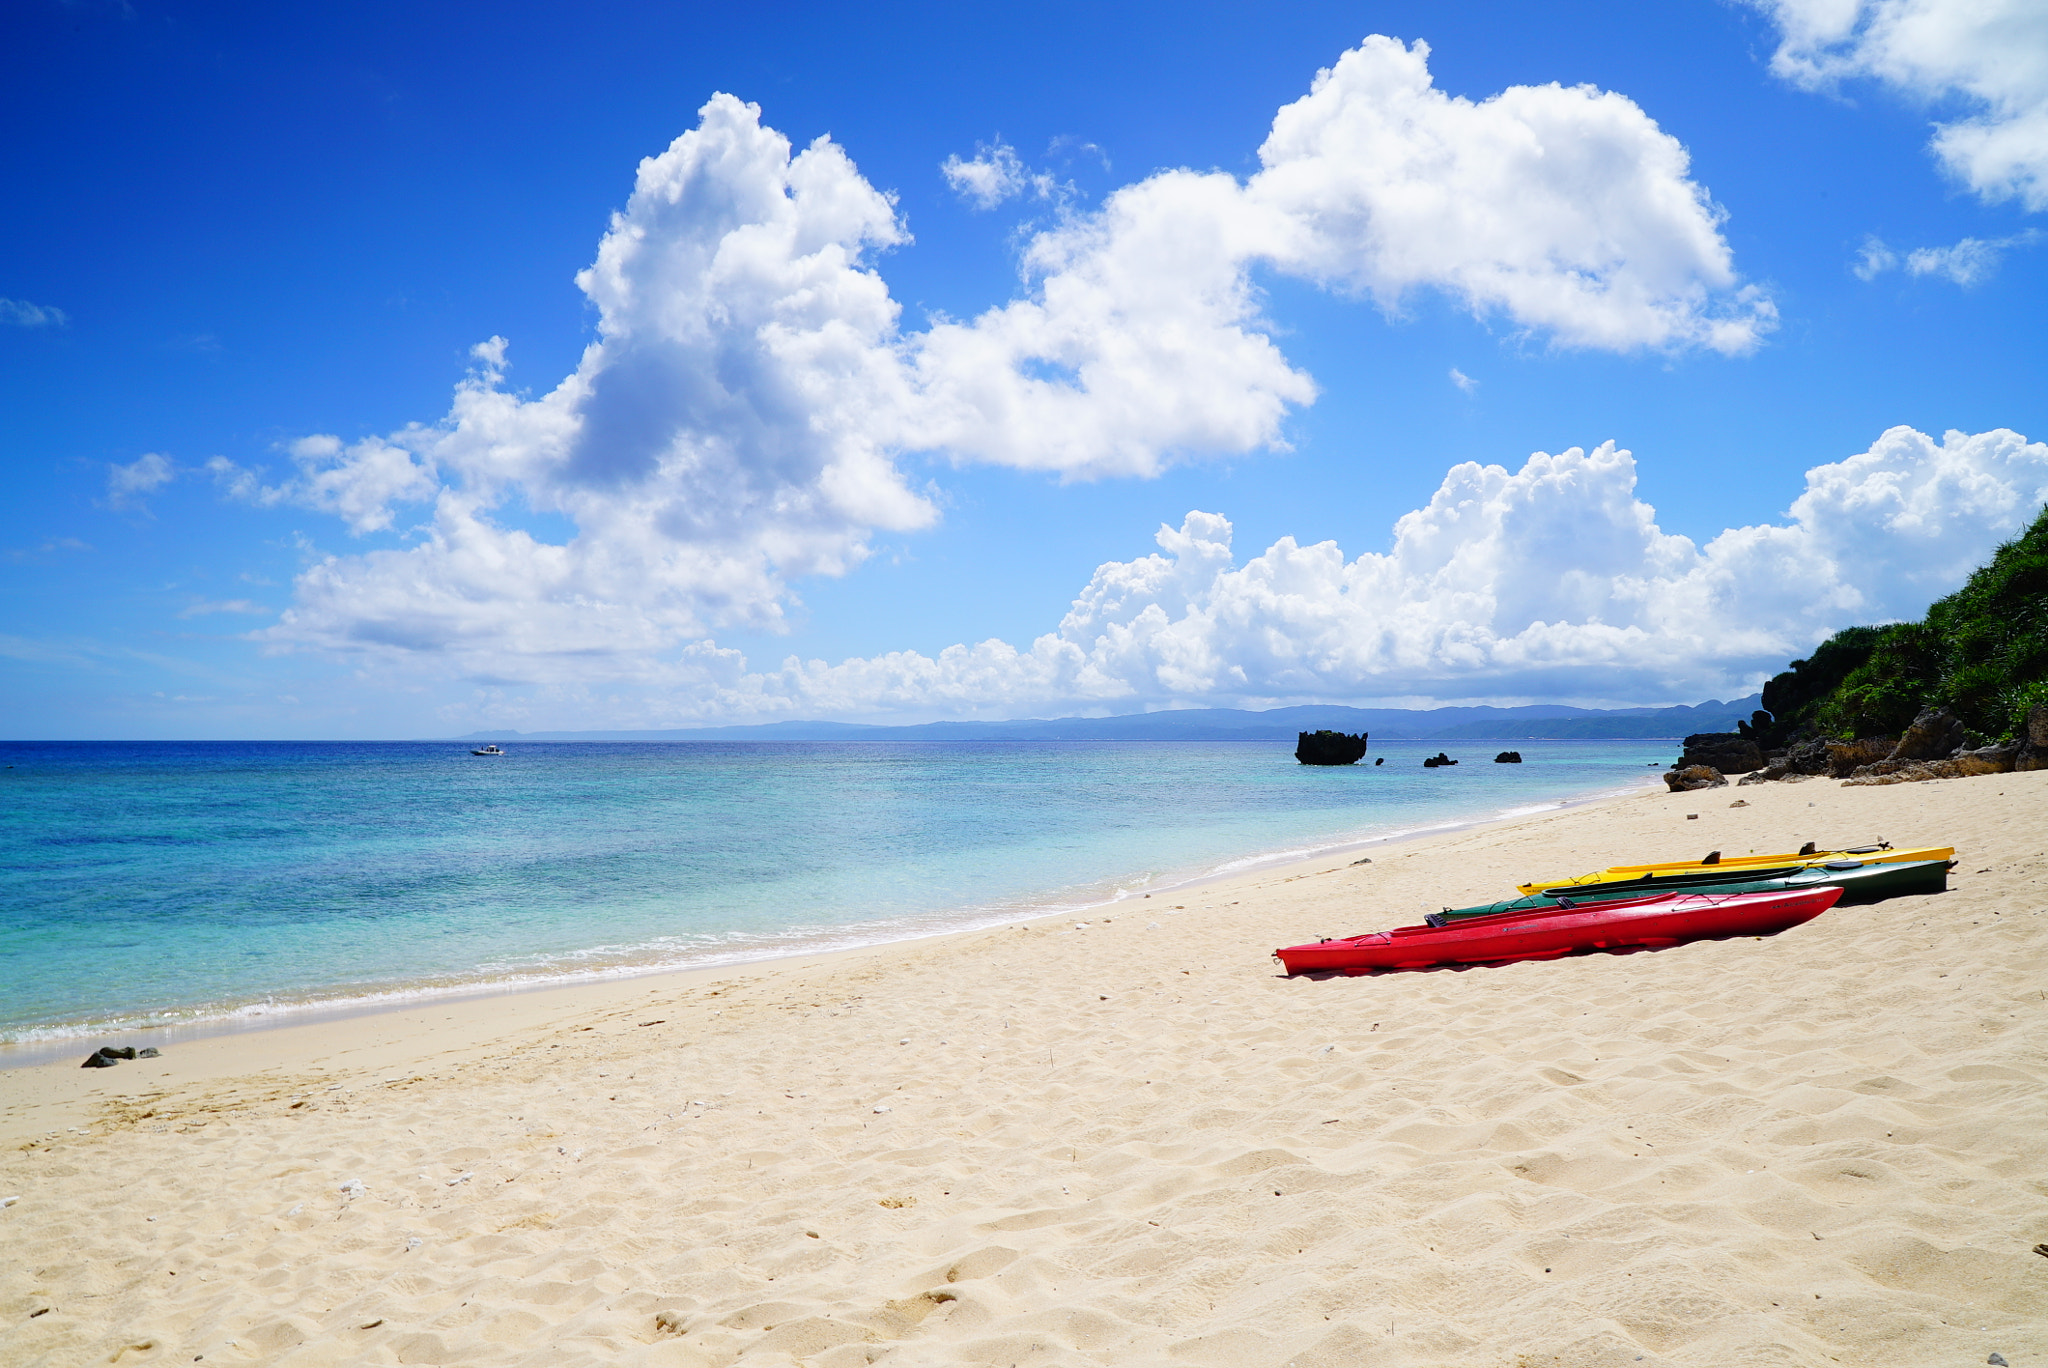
(491, 749)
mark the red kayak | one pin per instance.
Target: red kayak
(1550, 933)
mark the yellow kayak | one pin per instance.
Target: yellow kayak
(1875, 854)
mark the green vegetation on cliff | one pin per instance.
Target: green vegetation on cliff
(1982, 651)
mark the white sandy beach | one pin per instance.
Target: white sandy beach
(1130, 1143)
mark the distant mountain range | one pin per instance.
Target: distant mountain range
(1539, 721)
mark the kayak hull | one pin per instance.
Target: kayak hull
(1639, 924)
(1618, 873)
(1865, 883)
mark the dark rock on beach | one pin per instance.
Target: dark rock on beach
(1802, 761)
(1329, 748)
(1508, 758)
(1728, 752)
(98, 1060)
(1846, 757)
(1936, 746)
(2033, 752)
(1934, 735)
(1964, 764)
(1807, 757)
(1686, 778)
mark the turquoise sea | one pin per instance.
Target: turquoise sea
(197, 884)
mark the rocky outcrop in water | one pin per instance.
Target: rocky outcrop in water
(1508, 758)
(1329, 748)
(1437, 760)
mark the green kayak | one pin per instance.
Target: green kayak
(1859, 882)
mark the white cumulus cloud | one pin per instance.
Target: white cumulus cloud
(129, 485)
(357, 482)
(748, 409)
(995, 173)
(724, 432)
(1563, 208)
(1989, 55)
(1552, 581)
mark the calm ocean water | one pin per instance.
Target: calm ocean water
(154, 884)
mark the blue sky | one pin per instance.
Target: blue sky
(1119, 414)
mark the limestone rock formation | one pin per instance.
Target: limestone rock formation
(1964, 764)
(2033, 753)
(1728, 752)
(1686, 778)
(1846, 757)
(1792, 764)
(1934, 734)
(1508, 758)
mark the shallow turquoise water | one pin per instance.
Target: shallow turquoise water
(159, 883)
